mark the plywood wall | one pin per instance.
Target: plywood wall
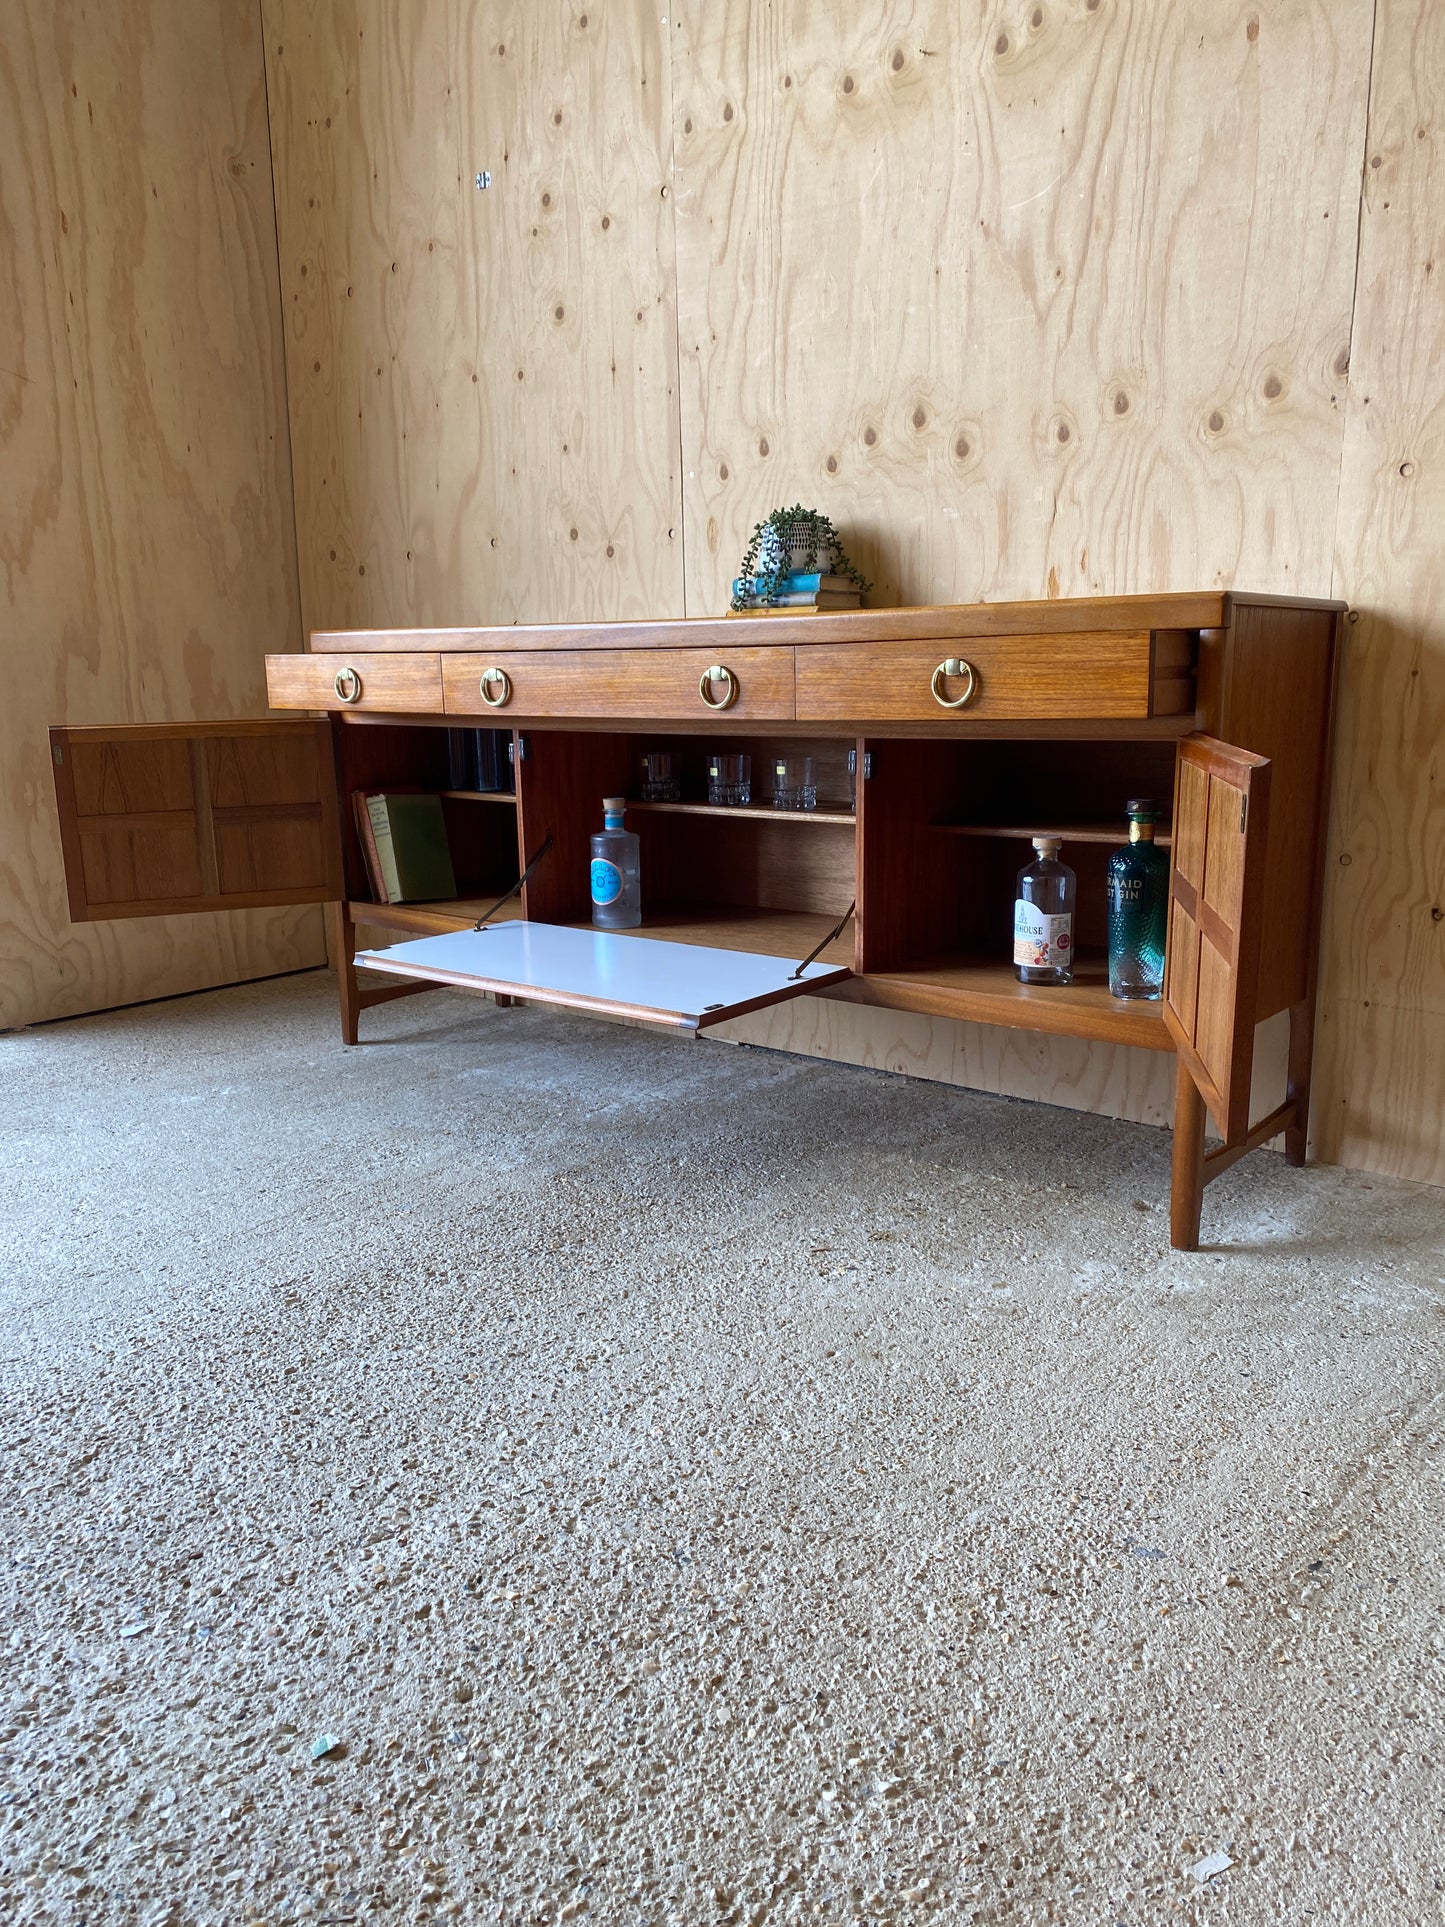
(147, 555)
(1034, 301)
(483, 382)
(1382, 1018)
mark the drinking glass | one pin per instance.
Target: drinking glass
(795, 786)
(661, 776)
(730, 779)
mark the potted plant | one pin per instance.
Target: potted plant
(792, 541)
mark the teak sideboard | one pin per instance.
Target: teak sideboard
(974, 728)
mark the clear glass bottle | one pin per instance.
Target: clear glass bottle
(1044, 917)
(1138, 882)
(616, 874)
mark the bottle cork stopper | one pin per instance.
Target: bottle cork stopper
(614, 805)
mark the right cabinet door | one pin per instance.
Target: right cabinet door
(1216, 915)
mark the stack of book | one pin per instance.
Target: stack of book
(794, 592)
(404, 842)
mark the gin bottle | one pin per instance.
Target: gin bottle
(1138, 907)
(616, 874)
(1044, 917)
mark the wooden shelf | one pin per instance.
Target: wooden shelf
(483, 796)
(755, 812)
(769, 933)
(1071, 833)
(986, 991)
(431, 919)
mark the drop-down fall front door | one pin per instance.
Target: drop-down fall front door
(677, 986)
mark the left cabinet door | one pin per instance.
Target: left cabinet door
(159, 819)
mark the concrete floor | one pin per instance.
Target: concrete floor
(693, 1486)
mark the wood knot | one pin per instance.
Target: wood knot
(728, 111)
(763, 448)
(963, 448)
(1121, 403)
(1216, 422)
(831, 464)
(1251, 28)
(1273, 387)
(897, 61)
(848, 83)
(722, 472)
(1000, 46)
(870, 436)
(920, 416)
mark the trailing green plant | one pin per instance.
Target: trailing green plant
(769, 559)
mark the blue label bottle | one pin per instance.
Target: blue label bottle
(616, 873)
(1138, 884)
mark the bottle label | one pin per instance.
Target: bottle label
(1041, 942)
(606, 881)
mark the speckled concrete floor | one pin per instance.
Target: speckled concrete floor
(691, 1486)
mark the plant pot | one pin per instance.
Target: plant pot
(797, 541)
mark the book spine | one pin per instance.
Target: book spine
(374, 878)
(380, 820)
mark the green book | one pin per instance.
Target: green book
(411, 847)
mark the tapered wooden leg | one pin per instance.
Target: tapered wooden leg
(1186, 1191)
(343, 953)
(1301, 1057)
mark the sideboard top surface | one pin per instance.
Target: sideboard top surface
(1210, 609)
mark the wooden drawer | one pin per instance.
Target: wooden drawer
(657, 685)
(396, 683)
(1075, 677)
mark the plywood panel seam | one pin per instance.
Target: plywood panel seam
(299, 641)
(1335, 585)
(676, 317)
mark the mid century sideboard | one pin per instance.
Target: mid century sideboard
(974, 728)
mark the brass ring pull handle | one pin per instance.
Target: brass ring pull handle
(503, 681)
(951, 670)
(347, 685)
(717, 672)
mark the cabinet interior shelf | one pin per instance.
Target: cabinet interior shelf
(757, 812)
(483, 796)
(1070, 833)
(985, 990)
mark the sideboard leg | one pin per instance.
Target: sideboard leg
(1186, 1191)
(1301, 1057)
(343, 952)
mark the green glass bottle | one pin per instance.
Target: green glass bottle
(1138, 882)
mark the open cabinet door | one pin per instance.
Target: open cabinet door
(1216, 911)
(162, 818)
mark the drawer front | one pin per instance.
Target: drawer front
(657, 685)
(395, 683)
(1066, 678)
